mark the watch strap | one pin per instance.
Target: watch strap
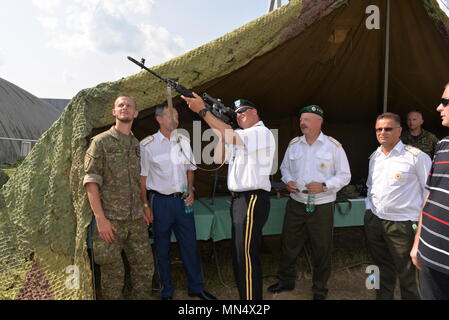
(202, 112)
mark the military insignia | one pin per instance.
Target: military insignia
(294, 140)
(413, 150)
(322, 165)
(335, 141)
(147, 140)
(398, 176)
(138, 151)
(313, 108)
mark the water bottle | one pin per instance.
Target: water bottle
(187, 209)
(310, 205)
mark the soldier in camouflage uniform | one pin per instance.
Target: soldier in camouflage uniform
(112, 180)
(418, 137)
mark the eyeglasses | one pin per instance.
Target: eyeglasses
(241, 110)
(386, 129)
(444, 102)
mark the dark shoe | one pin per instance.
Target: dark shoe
(203, 295)
(167, 298)
(317, 296)
(155, 286)
(278, 287)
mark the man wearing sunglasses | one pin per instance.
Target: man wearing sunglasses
(250, 151)
(396, 190)
(430, 251)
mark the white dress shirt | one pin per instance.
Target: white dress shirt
(323, 161)
(396, 183)
(250, 165)
(164, 163)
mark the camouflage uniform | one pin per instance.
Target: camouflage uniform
(113, 162)
(425, 141)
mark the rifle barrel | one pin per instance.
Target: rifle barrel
(149, 70)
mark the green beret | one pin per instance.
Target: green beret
(312, 109)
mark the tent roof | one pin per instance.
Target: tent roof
(24, 116)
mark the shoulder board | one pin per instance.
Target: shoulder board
(372, 154)
(147, 140)
(413, 150)
(293, 141)
(335, 141)
(183, 137)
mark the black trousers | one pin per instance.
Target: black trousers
(249, 212)
(390, 243)
(299, 226)
(434, 284)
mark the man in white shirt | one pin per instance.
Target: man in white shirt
(250, 151)
(168, 172)
(316, 165)
(396, 191)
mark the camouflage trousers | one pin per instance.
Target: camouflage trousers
(132, 237)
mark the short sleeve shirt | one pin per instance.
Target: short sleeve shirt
(251, 164)
(113, 162)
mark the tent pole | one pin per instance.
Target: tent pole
(387, 58)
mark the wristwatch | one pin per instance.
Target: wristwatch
(325, 188)
(146, 205)
(202, 112)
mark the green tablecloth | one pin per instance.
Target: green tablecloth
(215, 220)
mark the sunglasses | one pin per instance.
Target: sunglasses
(386, 129)
(241, 110)
(444, 102)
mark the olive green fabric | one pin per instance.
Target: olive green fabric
(306, 52)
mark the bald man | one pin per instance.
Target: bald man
(416, 136)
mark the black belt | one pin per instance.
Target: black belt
(171, 195)
(238, 194)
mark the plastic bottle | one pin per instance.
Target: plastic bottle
(310, 205)
(187, 209)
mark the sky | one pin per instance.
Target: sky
(55, 48)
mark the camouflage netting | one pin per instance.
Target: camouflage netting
(3, 178)
(44, 210)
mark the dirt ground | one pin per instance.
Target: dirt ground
(343, 285)
(347, 282)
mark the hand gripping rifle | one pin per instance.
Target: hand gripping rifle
(215, 106)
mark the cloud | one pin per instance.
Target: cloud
(107, 26)
(47, 5)
(2, 57)
(68, 77)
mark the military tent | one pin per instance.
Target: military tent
(23, 116)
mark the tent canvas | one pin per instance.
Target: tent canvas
(24, 116)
